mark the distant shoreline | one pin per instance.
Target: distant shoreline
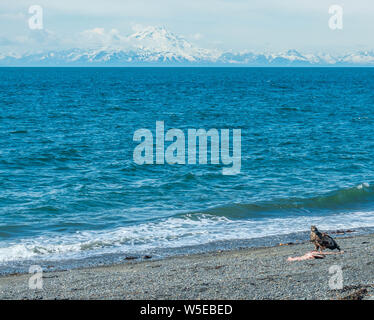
(254, 273)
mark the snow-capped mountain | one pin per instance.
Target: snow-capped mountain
(158, 46)
(361, 57)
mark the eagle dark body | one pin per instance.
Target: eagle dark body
(322, 240)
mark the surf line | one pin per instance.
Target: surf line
(175, 153)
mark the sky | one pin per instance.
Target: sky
(238, 25)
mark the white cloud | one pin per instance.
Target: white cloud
(236, 24)
(197, 36)
(100, 37)
(17, 16)
(31, 41)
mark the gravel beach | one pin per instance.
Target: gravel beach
(256, 273)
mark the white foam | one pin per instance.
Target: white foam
(363, 185)
(170, 233)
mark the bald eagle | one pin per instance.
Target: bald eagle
(322, 240)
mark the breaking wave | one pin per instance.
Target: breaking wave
(199, 228)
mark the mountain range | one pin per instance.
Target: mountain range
(156, 46)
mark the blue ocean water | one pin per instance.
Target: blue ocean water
(69, 188)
